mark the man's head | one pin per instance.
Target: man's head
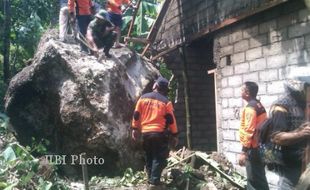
(161, 85)
(249, 90)
(296, 82)
(101, 15)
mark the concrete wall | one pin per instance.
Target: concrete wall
(263, 48)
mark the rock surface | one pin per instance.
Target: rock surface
(78, 103)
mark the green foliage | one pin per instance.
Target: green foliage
(168, 74)
(129, 179)
(19, 169)
(38, 146)
(28, 20)
(146, 16)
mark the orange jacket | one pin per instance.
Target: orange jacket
(153, 113)
(252, 115)
(114, 6)
(83, 7)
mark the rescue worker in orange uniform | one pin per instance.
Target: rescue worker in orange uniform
(81, 10)
(115, 16)
(252, 115)
(154, 117)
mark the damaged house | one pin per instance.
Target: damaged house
(213, 46)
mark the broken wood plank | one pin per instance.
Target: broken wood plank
(137, 40)
(164, 53)
(206, 158)
(186, 158)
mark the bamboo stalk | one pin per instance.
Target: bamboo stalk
(133, 20)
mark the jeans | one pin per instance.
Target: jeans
(83, 21)
(255, 169)
(156, 150)
(288, 178)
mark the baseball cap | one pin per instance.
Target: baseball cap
(162, 82)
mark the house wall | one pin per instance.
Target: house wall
(263, 48)
(200, 89)
(185, 20)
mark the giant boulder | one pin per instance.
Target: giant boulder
(78, 103)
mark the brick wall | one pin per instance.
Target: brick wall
(263, 49)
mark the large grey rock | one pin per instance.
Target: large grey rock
(78, 103)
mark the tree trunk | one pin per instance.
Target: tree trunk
(6, 41)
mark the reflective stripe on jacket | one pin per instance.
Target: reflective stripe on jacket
(252, 115)
(153, 113)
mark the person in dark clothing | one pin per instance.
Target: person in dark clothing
(82, 11)
(100, 34)
(252, 116)
(154, 115)
(288, 131)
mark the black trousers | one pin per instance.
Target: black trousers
(105, 42)
(156, 149)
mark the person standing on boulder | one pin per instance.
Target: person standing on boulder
(154, 118)
(100, 34)
(115, 16)
(81, 10)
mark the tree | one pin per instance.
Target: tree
(22, 23)
(6, 41)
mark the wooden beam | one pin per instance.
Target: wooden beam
(136, 40)
(229, 21)
(211, 163)
(163, 53)
(212, 71)
(154, 29)
(133, 19)
(221, 25)
(145, 49)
